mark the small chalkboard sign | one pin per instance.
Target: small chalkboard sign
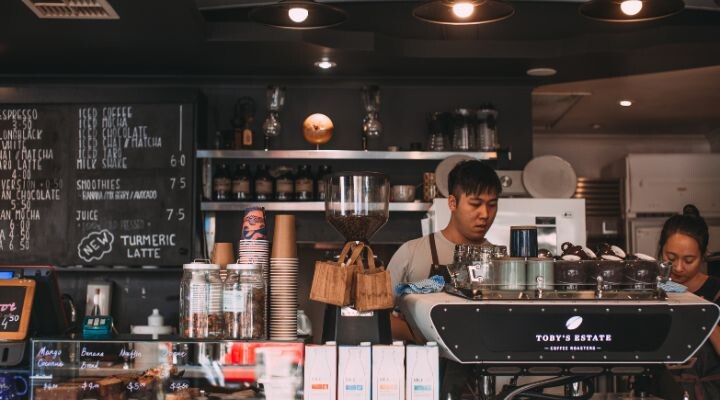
(16, 298)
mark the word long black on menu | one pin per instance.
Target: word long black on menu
(131, 189)
(30, 189)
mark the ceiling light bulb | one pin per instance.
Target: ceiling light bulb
(631, 7)
(325, 63)
(298, 14)
(463, 9)
(625, 103)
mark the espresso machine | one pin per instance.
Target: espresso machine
(357, 206)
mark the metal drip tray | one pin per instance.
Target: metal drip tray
(520, 295)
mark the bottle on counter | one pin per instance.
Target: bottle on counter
(242, 123)
(241, 183)
(221, 184)
(284, 185)
(244, 302)
(323, 172)
(264, 183)
(304, 184)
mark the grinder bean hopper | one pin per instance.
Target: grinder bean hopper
(357, 206)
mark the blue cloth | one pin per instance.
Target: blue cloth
(672, 287)
(433, 284)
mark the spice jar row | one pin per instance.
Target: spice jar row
(213, 308)
(281, 183)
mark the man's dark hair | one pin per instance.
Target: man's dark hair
(473, 177)
(689, 223)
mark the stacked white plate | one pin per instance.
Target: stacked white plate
(283, 298)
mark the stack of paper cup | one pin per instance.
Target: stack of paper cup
(254, 247)
(284, 280)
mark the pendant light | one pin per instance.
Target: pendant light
(463, 12)
(298, 14)
(630, 10)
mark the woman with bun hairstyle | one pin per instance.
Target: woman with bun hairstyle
(684, 241)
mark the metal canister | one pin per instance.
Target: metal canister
(512, 272)
(540, 267)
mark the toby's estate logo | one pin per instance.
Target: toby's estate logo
(573, 323)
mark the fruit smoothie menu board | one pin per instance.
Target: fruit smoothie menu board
(96, 184)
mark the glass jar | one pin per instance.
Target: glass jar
(215, 301)
(241, 183)
(264, 183)
(194, 300)
(323, 172)
(244, 302)
(304, 184)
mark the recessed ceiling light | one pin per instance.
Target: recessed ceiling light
(625, 103)
(541, 71)
(298, 14)
(325, 63)
(596, 126)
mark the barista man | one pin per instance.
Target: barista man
(474, 188)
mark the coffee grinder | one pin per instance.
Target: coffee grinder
(357, 206)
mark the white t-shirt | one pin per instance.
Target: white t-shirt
(412, 261)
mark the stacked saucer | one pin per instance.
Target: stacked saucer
(284, 280)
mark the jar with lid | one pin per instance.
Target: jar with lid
(244, 302)
(215, 298)
(463, 132)
(241, 183)
(264, 183)
(284, 184)
(221, 184)
(194, 300)
(304, 184)
(323, 172)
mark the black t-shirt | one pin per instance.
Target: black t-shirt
(710, 290)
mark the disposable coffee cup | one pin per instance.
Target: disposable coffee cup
(284, 244)
(223, 254)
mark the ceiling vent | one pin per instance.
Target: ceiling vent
(72, 9)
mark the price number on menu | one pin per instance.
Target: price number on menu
(88, 386)
(135, 386)
(178, 385)
(177, 160)
(7, 319)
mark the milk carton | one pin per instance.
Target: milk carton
(320, 381)
(423, 382)
(388, 372)
(354, 372)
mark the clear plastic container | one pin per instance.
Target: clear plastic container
(194, 300)
(215, 301)
(244, 302)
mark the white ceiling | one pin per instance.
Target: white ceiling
(677, 102)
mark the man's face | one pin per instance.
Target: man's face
(473, 214)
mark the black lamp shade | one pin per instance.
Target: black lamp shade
(609, 10)
(441, 12)
(319, 15)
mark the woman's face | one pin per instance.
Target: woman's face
(684, 252)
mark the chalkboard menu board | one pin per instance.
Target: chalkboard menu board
(16, 296)
(96, 184)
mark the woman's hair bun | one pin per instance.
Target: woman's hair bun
(691, 211)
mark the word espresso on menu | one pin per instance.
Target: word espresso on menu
(22, 158)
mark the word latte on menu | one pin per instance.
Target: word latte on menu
(25, 152)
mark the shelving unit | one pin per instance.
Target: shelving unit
(338, 154)
(300, 206)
